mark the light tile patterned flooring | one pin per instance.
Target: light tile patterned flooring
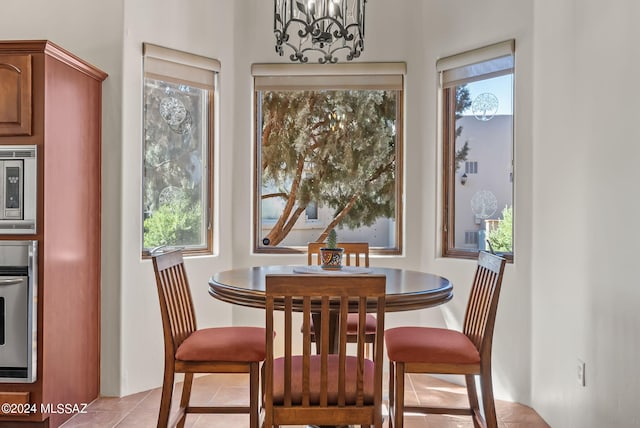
(141, 410)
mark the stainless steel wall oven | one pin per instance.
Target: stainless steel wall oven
(18, 311)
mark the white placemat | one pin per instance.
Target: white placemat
(346, 270)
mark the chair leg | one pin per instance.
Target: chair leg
(165, 400)
(488, 403)
(399, 396)
(268, 421)
(254, 391)
(184, 400)
(392, 392)
(266, 412)
(472, 393)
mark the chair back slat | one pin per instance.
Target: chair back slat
(355, 253)
(306, 351)
(179, 303)
(480, 316)
(337, 296)
(362, 313)
(288, 325)
(176, 304)
(378, 347)
(324, 353)
(268, 364)
(344, 311)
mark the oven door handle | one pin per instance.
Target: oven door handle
(12, 281)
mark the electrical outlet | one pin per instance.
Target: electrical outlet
(581, 373)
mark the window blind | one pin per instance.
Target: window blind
(382, 76)
(477, 64)
(161, 62)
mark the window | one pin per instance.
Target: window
(311, 211)
(471, 167)
(179, 93)
(471, 237)
(477, 128)
(328, 155)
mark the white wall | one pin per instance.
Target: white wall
(92, 31)
(203, 27)
(450, 27)
(585, 286)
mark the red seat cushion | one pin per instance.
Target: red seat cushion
(429, 345)
(314, 381)
(243, 344)
(352, 324)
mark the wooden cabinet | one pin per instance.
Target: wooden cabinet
(15, 91)
(53, 99)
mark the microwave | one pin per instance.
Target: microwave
(18, 192)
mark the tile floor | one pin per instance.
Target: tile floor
(141, 410)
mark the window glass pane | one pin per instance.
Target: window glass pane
(481, 181)
(327, 159)
(311, 211)
(175, 181)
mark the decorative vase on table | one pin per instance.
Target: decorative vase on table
(331, 255)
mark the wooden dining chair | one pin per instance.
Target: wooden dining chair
(210, 350)
(355, 254)
(325, 388)
(443, 351)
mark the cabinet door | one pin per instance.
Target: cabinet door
(15, 95)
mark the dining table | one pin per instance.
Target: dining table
(405, 289)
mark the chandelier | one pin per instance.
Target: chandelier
(319, 29)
